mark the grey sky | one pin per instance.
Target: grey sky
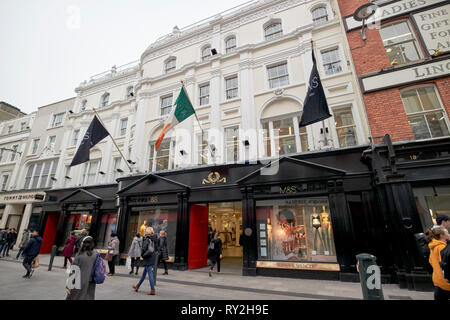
(46, 52)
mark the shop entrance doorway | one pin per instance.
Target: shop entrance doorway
(225, 218)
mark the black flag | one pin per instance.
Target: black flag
(94, 134)
(316, 106)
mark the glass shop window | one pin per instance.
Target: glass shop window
(295, 230)
(77, 222)
(430, 202)
(157, 217)
(108, 224)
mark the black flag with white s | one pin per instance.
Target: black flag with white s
(316, 106)
(94, 134)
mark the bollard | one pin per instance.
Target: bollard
(52, 256)
(370, 277)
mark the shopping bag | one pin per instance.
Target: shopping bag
(108, 257)
(35, 263)
(128, 263)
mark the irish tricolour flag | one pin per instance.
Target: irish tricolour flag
(181, 110)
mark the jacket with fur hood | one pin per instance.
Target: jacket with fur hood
(436, 246)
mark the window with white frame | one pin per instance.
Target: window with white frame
(51, 142)
(105, 100)
(230, 44)
(116, 165)
(425, 113)
(76, 134)
(91, 171)
(320, 15)
(202, 148)
(4, 182)
(170, 65)
(123, 126)
(332, 63)
(35, 145)
(282, 136)
(13, 152)
(57, 120)
(400, 43)
(164, 158)
(39, 174)
(231, 87)
(232, 144)
(130, 92)
(206, 52)
(273, 31)
(345, 127)
(23, 126)
(166, 105)
(83, 105)
(278, 75)
(204, 94)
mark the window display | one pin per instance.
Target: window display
(77, 221)
(430, 202)
(295, 230)
(157, 217)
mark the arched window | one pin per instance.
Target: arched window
(273, 31)
(425, 113)
(170, 65)
(320, 15)
(130, 92)
(83, 105)
(230, 44)
(105, 100)
(206, 52)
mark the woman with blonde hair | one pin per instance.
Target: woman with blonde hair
(437, 241)
(149, 249)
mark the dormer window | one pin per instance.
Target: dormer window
(320, 15)
(105, 100)
(206, 52)
(273, 31)
(170, 65)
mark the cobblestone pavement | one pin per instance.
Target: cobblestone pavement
(182, 285)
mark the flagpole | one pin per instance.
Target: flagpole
(126, 162)
(195, 113)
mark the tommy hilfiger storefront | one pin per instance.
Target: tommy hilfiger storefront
(302, 216)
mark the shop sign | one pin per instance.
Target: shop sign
(298, 265)
(213, 178)
(434, 28)
(143, 199)
(292, 188)
(22, 197)
(425, 71)
(390, 10)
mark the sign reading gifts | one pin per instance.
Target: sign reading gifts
(434, 27)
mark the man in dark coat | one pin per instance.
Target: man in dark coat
(30, 252)
(215, 252)
(3, 238)
(9, 241)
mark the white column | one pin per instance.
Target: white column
(17, 168)
(138, 152)
(107, 158)
(6, 212)
(61, 168)
(185, 130)
(24, 224)
(216, 132)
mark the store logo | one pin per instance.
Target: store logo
(288, 189)
(213, 178)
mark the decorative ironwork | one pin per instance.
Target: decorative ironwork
(213, 178)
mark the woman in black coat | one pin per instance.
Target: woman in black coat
(150, 240)
(215, 252)
(162, 250)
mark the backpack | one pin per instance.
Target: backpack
(98, 274)
(150, 249)
(445, 264)
(424, 251)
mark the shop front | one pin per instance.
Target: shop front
(16, 209)
(69, 211)
(309, 219)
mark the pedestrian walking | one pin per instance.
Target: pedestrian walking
(149, 252)
(14, 238)
(437, 241)
(135, 253)
(79, 240)
(113, 253)
(9, 241)
(3, 239)
(443, 220)
(85, 261)
(23, 242)
(68, 249)
(31, 252)
(215, 252)
(163, 250)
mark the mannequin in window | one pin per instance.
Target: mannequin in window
(288, 235)
(316, 224)
(326, 230)
(142, 228)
